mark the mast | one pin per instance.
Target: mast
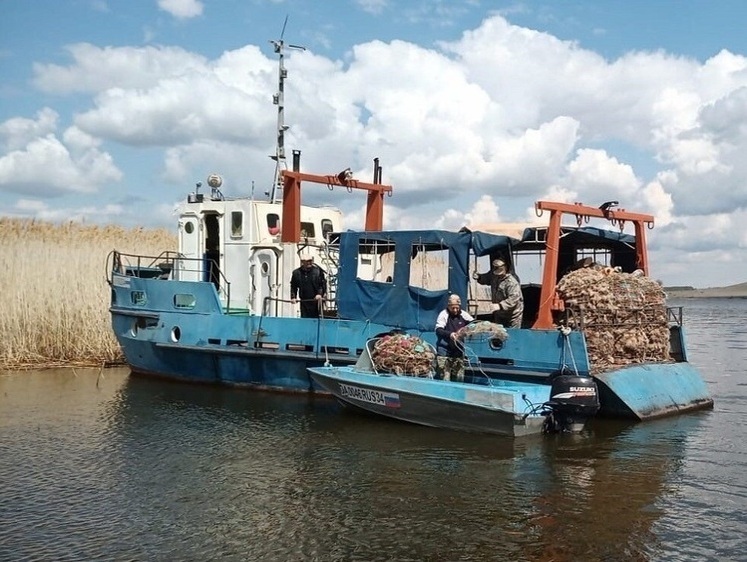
(279, 99)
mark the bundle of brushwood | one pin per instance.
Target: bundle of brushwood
(624, 316)
(403, 354)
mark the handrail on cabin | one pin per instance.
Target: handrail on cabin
(322, 305)
(130, 264)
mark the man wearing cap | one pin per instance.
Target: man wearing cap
(505, 294)
(309, 285)
(450, 350)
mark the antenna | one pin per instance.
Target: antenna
(279, 100)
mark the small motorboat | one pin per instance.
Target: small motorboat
(498, 406)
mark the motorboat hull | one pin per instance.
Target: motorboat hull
(506, 408)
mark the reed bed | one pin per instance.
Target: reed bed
(53, 290)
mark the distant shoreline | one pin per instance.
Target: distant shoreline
(721, 292)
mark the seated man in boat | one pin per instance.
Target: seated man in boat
(450, 350)
(309, 284)
(505, 294)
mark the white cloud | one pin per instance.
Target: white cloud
(38, 162)
(33, 205)
(167, 97)
(658, 202)
(46, 167)
(17, 132)
(92, 214)
(109, 213)
(181, 9)
(97, 69)
(502, 116)
(597, 177)
(372, 6)
(78, 141)
(240, 165)
(703, 251)
(484, 211)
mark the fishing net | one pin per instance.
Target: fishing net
(403, 354)
(482, 329)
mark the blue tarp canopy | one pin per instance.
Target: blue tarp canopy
(396, 303)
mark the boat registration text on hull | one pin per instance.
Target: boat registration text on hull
(387, 399)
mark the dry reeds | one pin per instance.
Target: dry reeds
(54, 294)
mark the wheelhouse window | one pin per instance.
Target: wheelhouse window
(273, 224)
(307, 230)
(528, 266)
(184, 301)
(326, 227)
(429, 266)
(237, 224)
(600, 256)
(375, 260)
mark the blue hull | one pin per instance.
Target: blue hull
(205, 344)
(507, 408)
(201, 364)
(265, 365)
(652, 391)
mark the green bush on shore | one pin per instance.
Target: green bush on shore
(55, 299)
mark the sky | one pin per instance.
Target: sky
(111, 111)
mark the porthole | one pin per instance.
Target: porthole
(189, 227)
(265, 268)
(495, 343)
(176, 334)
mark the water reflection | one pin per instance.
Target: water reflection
(295, 476)
(602, 493)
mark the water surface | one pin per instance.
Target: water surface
(106, 466)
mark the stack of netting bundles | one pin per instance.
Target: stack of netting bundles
(404, 355)
(624, 316)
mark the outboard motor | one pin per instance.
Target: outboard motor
(573, 400)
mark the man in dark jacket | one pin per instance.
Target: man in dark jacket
(450, 349)
(308, 284)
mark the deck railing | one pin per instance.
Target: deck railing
(168, 265)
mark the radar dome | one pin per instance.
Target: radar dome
(214, 180)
